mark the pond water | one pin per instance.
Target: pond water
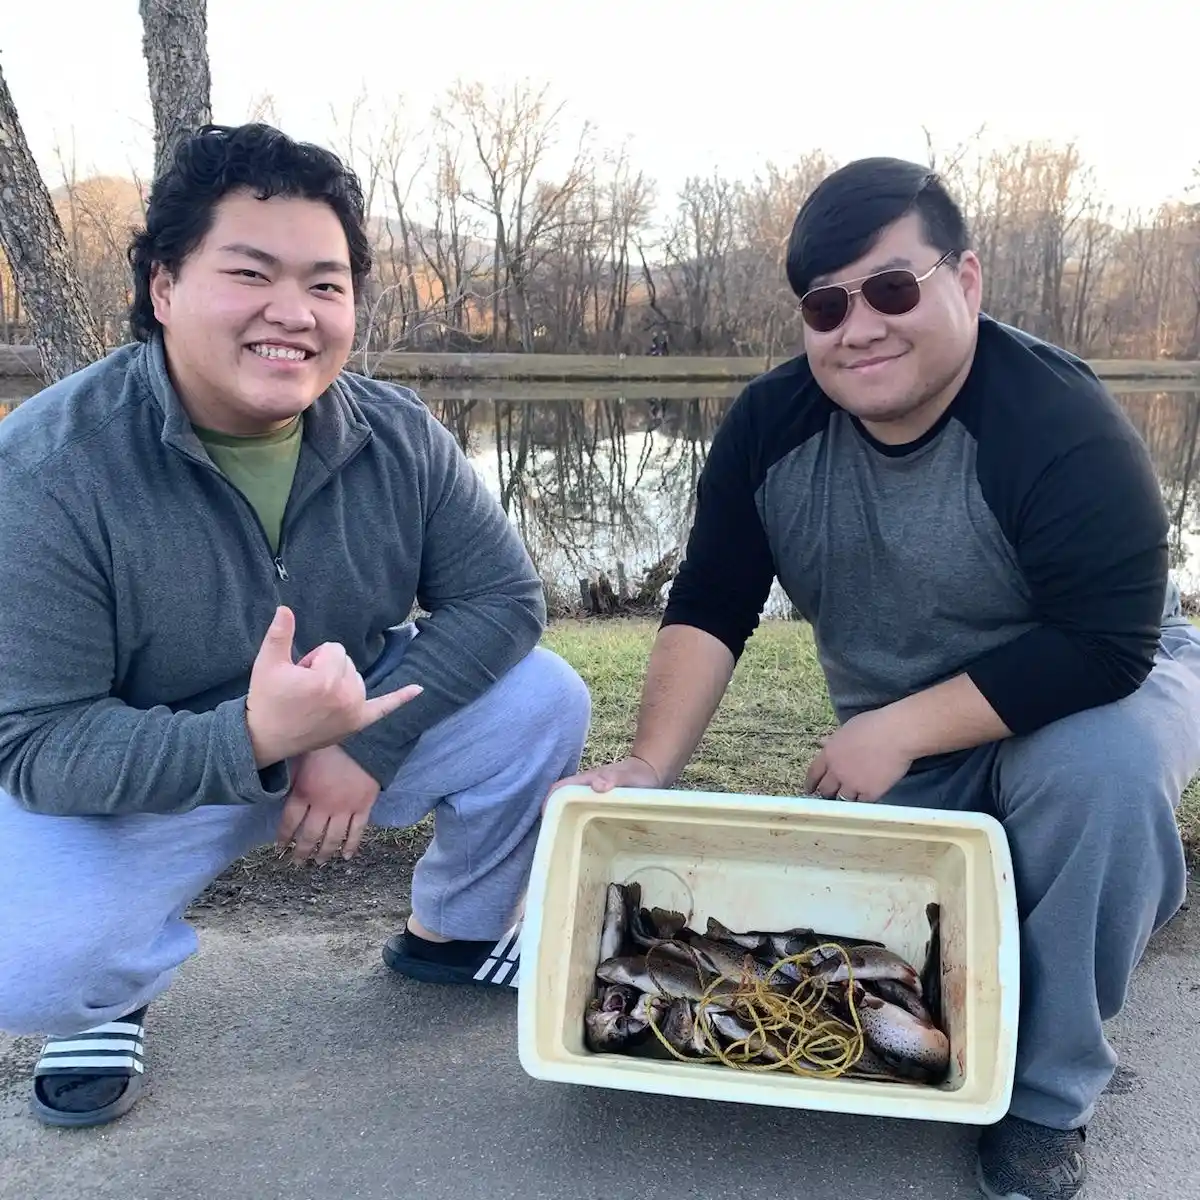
(599, 478)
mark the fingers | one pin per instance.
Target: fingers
(358, 823)
(332, 837)
(378, 708)
(581, 780)
(816, 771)
(290, 820)
(309, 836)
(328, 662)
(822, 780)
(277, 641)
(599, 779)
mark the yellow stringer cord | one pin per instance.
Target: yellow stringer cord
(813, 1043)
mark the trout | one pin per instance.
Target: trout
(618, 906)
(903, 1040)
(867, 962)
(664, 975)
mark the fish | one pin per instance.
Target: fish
(758, 1043)
(870, 1065)
(619, 997)
(649, 1008)
(747, 941)
(734, 963)
(931, 972)
(895, 992)
(607, 1027)
(681, 1028)
(616, 1018)
(618, 905)
(900, 1038)
(671, 992)
(667, 923)
(797, 941)
(665, 975)
(768, 1045)
(783, 944)
(644, 931)
(867, 962)
(605, 1031)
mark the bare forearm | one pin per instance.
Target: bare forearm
(687, 675)
(946, 717)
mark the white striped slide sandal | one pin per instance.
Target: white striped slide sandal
(103, 1066)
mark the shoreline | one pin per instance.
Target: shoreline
(21, 362)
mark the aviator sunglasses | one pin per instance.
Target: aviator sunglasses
(891, 293)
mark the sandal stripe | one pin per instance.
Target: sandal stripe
(93, 1044)
(70, 1064)
(503, 961)
(115, 1045)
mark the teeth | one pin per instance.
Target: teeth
(279, 352)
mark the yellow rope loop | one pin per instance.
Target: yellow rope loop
(813, 1042)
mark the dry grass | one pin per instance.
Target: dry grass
(763, 734)
(769, 722)
(761, 740)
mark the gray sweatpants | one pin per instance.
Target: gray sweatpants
(91, 908)
(1088, 804)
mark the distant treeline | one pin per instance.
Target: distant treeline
(480, 248)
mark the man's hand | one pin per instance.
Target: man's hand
(328, 806)
(862, 760)
(627, 772)
(293, 708)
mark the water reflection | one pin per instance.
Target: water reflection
(597, 481)
(601, 483)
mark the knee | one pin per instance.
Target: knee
(42, 997)
(48, 991)
(1114, 788)
(557, 700)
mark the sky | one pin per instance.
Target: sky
(690, 86)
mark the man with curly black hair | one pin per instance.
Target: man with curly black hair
(213, 540)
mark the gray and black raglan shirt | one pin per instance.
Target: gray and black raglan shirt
(1022, 540)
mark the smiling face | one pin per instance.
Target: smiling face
(260, 317)
(898, 374)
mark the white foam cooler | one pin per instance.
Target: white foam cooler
(775, 863)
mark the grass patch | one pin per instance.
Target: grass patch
(765, 731)
(768, 725)
(761, 740)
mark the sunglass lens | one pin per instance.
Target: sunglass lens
(892, 293)
(825, 308)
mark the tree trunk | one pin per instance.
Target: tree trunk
(175, 45)
(33, 239)
(47, 284)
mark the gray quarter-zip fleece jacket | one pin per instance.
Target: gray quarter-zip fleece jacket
(138, 583)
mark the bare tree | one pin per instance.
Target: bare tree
(38, 254)
(490, 230)
(47, 278)
(175, 45)
(513, 133)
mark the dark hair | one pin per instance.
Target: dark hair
(218, 159)
(845, 215)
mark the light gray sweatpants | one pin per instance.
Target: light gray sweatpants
(91, 908)
(1088, 804)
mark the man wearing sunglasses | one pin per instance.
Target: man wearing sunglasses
(974, 530)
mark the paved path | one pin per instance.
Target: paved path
(292, 1066)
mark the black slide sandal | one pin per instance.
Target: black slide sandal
(486, 963)
(108, 1060)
